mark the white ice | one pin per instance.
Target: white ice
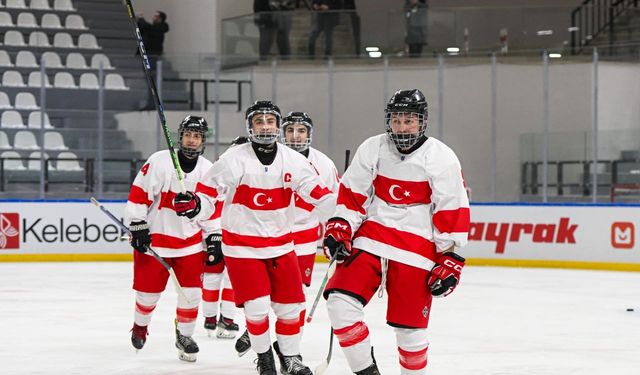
(74, 318)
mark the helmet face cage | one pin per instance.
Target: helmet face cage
(405, 141)
(263, 137)
(193, 124)
(298, 145)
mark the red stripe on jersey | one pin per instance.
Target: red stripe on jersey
(452, 221)
(170, 242)
(352, 335)
(235, 239)
(288, 327)
(319, 192)
(262, 199)
(413, 360)
(351, 200)
(402, 192)
(397, 238)
(219, 205)
(144, 310)
(209, 295)
(307, 235)
(186, 315)
(258, 327)
(301, 203)
(207, 190)
(139, 196)
(166, 200)
(228, 295)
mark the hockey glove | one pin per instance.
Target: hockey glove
(337, 239)
(140, 235)
(187, 204)
(214, 249)
(445, 275)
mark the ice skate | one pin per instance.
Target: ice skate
(187, 347)
(227, 329)
(266, 365)
(138, 336)
(210, 324)
(243, 344)
(291, 365)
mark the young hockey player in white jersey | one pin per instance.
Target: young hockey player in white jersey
(217, 293)
(150, 213)
(257, 180)
(403, 204)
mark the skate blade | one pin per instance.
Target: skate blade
(187, 357)
(226, 334)
(209, 332)
(240, 354)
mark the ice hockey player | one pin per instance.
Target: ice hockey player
(150, 213)
(257, 180)
(217, 293)
(402, 210)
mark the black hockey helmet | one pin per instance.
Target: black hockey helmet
(263, 107)
(240, 140)
(407, 101)
(300, 118)
(195, 124)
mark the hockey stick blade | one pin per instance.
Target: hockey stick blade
(322, 367)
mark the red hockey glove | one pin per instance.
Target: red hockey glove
(337, 239)
(140, 235)
(445, 275)
(214, 249)
(187, 204)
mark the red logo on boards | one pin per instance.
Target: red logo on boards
(622, 235)
(9, 231)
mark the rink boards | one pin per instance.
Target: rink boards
(527, 235)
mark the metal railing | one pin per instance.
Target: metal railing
(594, 17)
(192, 82)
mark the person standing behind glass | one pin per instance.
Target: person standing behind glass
(416, 15)
(327, 18)
(350, 5)
(273, 19)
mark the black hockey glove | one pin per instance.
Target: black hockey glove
(187, 204)
(140, 235)
(214, 249)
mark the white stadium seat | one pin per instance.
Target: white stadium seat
(74, 22)
(4, 141)
(114, 81)
(34, 80)
(88, 41)
(100, 57)
(27, 20)
(16, 4)
(39, 4)
(63, 40)
(68, 165)
(26, 59)
(4, 101)
(12, 119)
(5, 19)
(63, 5)
(34, 120)
(11, 78)
(25, 140)
(13, 38)
(5, 60)
(54, 141)
(12, 165)
(34, 163)
(76, 61)
(89, 81)
(50, 21)
(64, 80)
(39, 39)
(51, 60)
(26, 100)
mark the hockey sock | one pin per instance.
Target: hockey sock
(227, 305)
(288, 327)
(346, 314)
(210, 293)
(187, 311)
(145, 304)
(257, 316)
(412, 350)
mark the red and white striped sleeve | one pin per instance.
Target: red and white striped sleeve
(218, 179)
(146, 187)
(356, 185)
(307, 183)
(211, 224)
(451, 206)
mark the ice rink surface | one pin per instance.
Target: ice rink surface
(74, 318)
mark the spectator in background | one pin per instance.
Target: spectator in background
(350, 5)
(416, 15)
(327, 18)
(153, 38)
(273, 19)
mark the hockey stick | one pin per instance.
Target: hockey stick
(322, 367)
(330, 271)
(347, 156)
(149, 249)
(146, 65)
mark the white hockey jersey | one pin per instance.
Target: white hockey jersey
(151, 199)
(258, 214)
(308, 228)
(405, 207)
